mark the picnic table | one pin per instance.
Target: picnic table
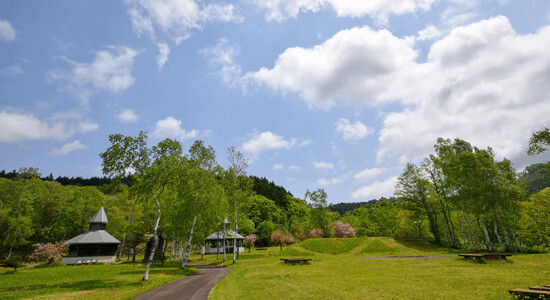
(294, 261)
(535, 292)
(489, 256)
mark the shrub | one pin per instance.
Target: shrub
(49, 253)
(342, 230)
(316, 233)
(249, 241)
(15, 261)
(278, 238)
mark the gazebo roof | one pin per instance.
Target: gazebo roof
(228, 235)
(99, 217)
(93, 237)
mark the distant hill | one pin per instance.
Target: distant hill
(535, 177)
(342, 208)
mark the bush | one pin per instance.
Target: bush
(15, 261)
(249, 241)
(49, 253)
(279, 238)
(316, 233)
(342, 230)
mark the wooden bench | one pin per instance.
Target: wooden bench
(260, 249)
(294, 261)
(535, 292)
(489, 256)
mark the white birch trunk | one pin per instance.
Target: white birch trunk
(486, 234)
(155, 241)
(505, 233)
(188, 251)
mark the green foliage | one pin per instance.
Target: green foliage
(535, 177)
(539, 142)
(270, 190)
(535, 219)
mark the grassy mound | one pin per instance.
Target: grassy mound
(331, 246)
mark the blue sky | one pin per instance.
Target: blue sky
(334, 94)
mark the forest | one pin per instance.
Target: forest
(460, 196)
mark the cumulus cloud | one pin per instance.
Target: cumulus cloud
(376, 190)
(127, 116)
(380, 10)
(323, 165)
(7, 33)
(17, 127)
(429, 33)
(111, 71)
(266, 141)
(68, 148)
(170, 127)
(368, 174)
(176, 19)
(352, 132)
(482, 82)
(353, 66)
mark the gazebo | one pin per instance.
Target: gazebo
(214, 243)
(93, 246)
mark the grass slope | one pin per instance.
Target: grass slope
(120, 281)
(343, 272)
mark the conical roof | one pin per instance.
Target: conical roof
(219, 235)
(99, 217)
(93, 237)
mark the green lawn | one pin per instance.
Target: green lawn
(115, 281)
(339, 270)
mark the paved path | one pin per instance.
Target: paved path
(196, 286)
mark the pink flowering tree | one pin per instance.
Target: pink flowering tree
(278, 238)
(316, 233)
(249, 241)
(342, 230)
(49, 253)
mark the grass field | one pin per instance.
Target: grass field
(118, 281)
(340, 270)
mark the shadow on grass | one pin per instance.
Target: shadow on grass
(73, 286)
(426, 246)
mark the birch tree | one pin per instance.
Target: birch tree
(153, 170)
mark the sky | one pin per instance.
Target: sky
(333, 94)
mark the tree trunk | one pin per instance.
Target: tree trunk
(164, 249)
(486, 234)
(515, 238)
(235, 250)
(506, 237)
(461, 229)
(467, 226)
(495, 230)
(188, 251)
(172, 249)
(121, 247)
(155, 240)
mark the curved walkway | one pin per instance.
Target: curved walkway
(196, 286)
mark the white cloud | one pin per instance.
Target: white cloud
(429, 33)
(127, 116)
(376, 190)
(325, 181)
(280, 10)
(348, 67)
(266, 141)
(222, 57)
(7, 33)
(162, 57)
(68, 148)
(294, 168)
(352, 132)
(277, 167)
(111, 71)
(323, 165)
(170, 127)
(304, 143)
(176, 19)
(368, 174)
(17, 127)
(482, 82)
(11, 71)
